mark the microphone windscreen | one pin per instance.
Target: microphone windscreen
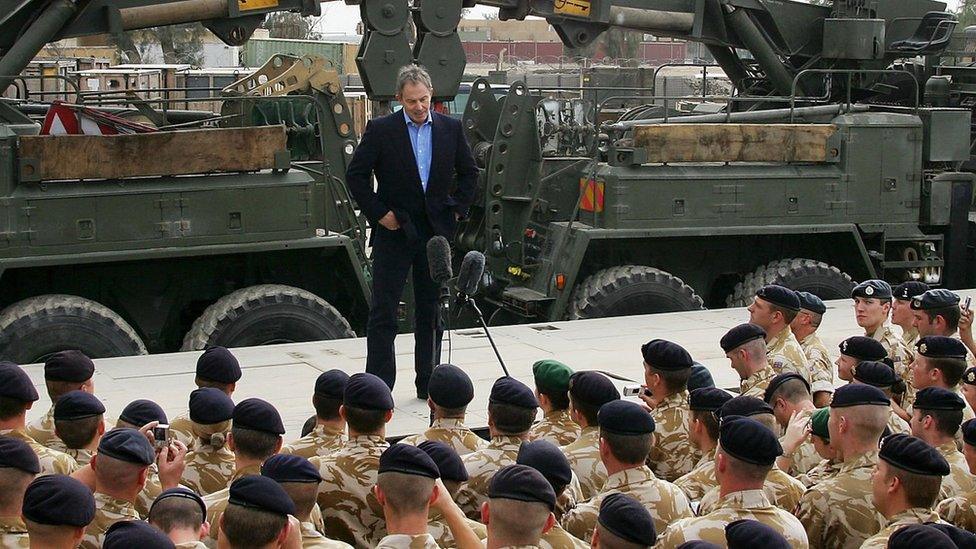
(439, 259)
(469, 275)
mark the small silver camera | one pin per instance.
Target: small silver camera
(632, 390)
(161, 435)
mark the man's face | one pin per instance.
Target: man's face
(879, 484)
(970, 452)
(920, 372)
(920, 320)
(760, 313)
(901, 312)
(844, 366)
(969, 393)
(415, 99)
(870, 311)
(915, 422)
(801, 320)
(735, 359)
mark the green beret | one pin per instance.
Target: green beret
(551, 375)
(818, 423)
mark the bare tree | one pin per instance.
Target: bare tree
(291, 25)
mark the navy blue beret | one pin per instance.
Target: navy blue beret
(78, 405)
(15, 383)
(450, 387)
(71, 366)
(522, 483)
(592, 388)
(508, 390)
(962, 538)
(937, 398)
(59, 500)
(17, 454)
(746, 534)
(548, 459)
(127, 534)
(409, 460)
(623, 417)
(863, 348)
(332, 384)
(876, 373)
(261, 493)
(258, 415)
(662, 354)
(699, 544)
(700, 377)
(780, 379)
(142, 411)
(920, 536)
(290, 468)
(940, 347)
(907, 290)
(708, 399)
(937, 298)
(747, 439)
(210, 405)
(628, 519)
(913, 455)
(745, 406)
(740, 335)
(811, 303)
(219, 365)
(856, 394)
(780, 296)
(969, 432)
(969, 376)
(448, 461)
(182, 492)
(127, 445)
(367, 392)
(874, 288)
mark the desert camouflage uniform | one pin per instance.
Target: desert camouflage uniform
(804, 458)
(481, 466)
(701, 479)
(450, 431)
(958, 481)
(322, 441)
(672, 455)
(558, 538)
(437, 528)
(349, 507)
(584, 458)
(149, 492)
(312, 539)
(959, 510)
(108, 511)
(784, 354)
(748, 504)
(181, 428)
(893, 345)
(208, 469)
(403, 541)
(917, 515)
(839, 512)
(217, 501)
(13, 533)
(782, 490)
(52, 462)
(755, 385)
(42, 430)
(824, 470)
(909, 339)
(898, 425)
(81, 456)
(556, 427)
(665, 501)
(818, 360)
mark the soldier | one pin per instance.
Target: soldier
(349, 507)
(300, 480)
(18, 467)
(545, 457)
(667, 367)
(936, 313)
(872, 304)
(519, 508)
(745, 533)
(623, 524)
(216, 368)
(838, 512)
(940, 362)
(936, 417)
(791, 401)
(961, 509)
(922, 536)
(905, 485)
(141, 415)
(56, 510)
(181, 514)
(745, 347)
(329, 431)
(588, 391)
(210, 463)
(703, 435)
(804, 327)
(968, 387)
(820, 437)
(856, 349)
(135, 533)
(511, 410)
(452, 474)
(773, 309)
(256, 515)
(449, 392)
(746, 452)
(884, 377)
(64, 371)
(552, 392)
(79, 424)
(903, 316)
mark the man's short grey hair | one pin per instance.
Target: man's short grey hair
(415, 74)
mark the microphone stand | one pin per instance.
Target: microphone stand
(484, 326)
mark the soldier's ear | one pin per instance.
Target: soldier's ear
(434, 494)
(550, 522)
(204, 529)
(380, 496)
(485, 516)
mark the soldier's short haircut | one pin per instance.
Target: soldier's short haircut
(628, 448)
(952, 368)
(11, 407)
(326, 408)
(57, 389)
(947, 422)
(788, 314)
(588, 411)
(745, 470)
(13, 484)
(815, 319)
(39, 533)
(247, 527)
(173, 513)
(209, 383)
(920, 490)
(405, 494)
(755, 349)
(867, 421)
(77, 433)
(303, 495)
(950, 314)
(609, 540)
(793, 391)
(414, 74)
(709, 420)
(769, 420)
(509, 419)
(365, 421)
(558, 399)
(115, 473)
(214, 434)
(254, 444)
(674, 380)
(516, 522)
(451, 412)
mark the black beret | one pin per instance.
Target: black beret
(449, 463)
(811, 303)
(210, 405)
(962, 538)
(332, 384)
(940, 347)
(747, 439)
(876, 373)
(700, 377)
(666, 355)
(919, 536)
(71, 366)
(142, 411)
(779, 295)
(508, 390)
(78, 405)
(937, 398)
(261, 493)
(218, 364)
(938, 298)
(907, 290)
(127, 445)
(17, 454)
(878, 289)
(856, 394)
(290, 468)
(740, 335)
(746, 534)
(368, 392)
(258, 415)
(548, 459)
(522, 483)
(127, 534)
(699, 544)
(708, 399)
(969, 432)
(59, 500)
(780, 379)
(913, 455)
(592, 388)
(745, 406)
(15, 383)
(969, 376)
(628, 519)
(450, 387)
(182, 492)
(623, 417)
(409, 460)
(862, 348)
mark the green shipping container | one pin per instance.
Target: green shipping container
(257, 51)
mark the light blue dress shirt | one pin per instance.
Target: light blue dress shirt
(420, 140)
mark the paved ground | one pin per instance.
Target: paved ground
(285, 374)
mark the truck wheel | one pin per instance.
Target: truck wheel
(264, 315)
(37, 327)
(632, 290)
(806, 275)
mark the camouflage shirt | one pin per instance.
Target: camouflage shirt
(701, 479)
(557, 538)
(584, 458)
(672, 455)
(403, 541)
(217, 501)
(349, 507)
(208, 469)
(784, 354)
(839, 512)
(52, 461)
(959, 510)
(818, 360)
(959, 481)
(81, 456)
(13, 533)
(322, 441)
(747, 504)
(556, 427)
(437, 528)
(825, 469)
(805, 457)
(450, 431)
(108, 511)
(481, 466)
(665, 501)
(782, 490)
(181, 428)
(755, 385)
(917, 515)
(149, 492)
(312, 539)
(42, 430)
(898, 425)
(893, 345)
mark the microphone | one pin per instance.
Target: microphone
(470, 272)
(439, 260)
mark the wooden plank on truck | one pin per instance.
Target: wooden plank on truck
(734, 142)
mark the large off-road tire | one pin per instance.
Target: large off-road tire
(37, 327)
(631, 290)
(264, 315)
(802, 275)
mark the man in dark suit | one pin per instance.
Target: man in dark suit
(426, 179)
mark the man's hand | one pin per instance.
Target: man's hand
(390, 221)
(650, 402)
(171, 462)
(796, 431)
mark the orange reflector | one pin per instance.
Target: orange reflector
(592, 195)
(560, 281)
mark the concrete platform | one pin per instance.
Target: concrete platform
(285, 374)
